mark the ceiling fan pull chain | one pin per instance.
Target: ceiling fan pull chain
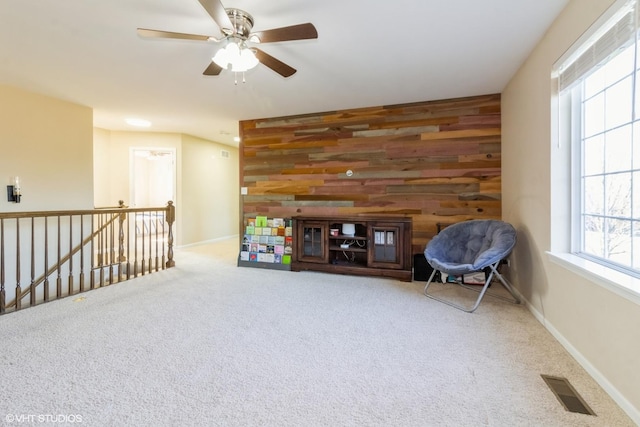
(235, 78)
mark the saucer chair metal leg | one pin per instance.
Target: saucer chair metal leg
(489, 278)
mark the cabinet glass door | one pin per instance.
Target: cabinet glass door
(385, 250)
(312, 237)
(312, 245)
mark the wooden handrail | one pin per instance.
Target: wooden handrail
(41, 214)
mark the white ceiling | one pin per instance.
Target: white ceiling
(368, 53)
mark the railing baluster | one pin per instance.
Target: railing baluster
(155, 217)
(46, 259)
(3, 295)
(81, 254)
(164, 220)
(142, 242)
(59, 264)
(92, 279)
(98, 255)
(129, 245)
(111, 252)
(18, 288)
(70, 291)
(32, 287)
(121, 257)
(150, 237)
(102, 252)
(135, 246)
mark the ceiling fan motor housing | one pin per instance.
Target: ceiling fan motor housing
(242, 22)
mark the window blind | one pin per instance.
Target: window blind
(617, 33)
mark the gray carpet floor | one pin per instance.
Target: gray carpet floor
(209, 344)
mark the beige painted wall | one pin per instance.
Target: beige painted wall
(206, 185)
(48, 143)
(211, 188)
(597, 326)
(101, 169)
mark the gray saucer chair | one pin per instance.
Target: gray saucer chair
(471, 247)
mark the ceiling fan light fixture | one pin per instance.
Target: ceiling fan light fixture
(246, 61)
(220, 58)
(236, 55)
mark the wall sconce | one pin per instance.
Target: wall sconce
(13, 191)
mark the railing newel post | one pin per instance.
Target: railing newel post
(171, 217)
(121, 258)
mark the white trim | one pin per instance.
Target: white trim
(623, 285)
(625, 405)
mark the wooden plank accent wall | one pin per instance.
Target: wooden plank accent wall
(436, 161)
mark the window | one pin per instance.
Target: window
(599, 98)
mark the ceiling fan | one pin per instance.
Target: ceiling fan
(236, 26)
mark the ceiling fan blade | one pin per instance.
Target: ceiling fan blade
(219, 14)
(212, 70)
(293, 32)
(144, 32)
(275, 64)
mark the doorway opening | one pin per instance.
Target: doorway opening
(153, 176)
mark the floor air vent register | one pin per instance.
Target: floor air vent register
(567, 395)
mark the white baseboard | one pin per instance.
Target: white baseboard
(206, 242)
(618, 397)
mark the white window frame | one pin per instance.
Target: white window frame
(566, 199)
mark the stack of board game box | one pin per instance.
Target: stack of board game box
(267, 240)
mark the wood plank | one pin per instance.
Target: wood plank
(450, 189)
(466, 133)
(332, 197)
(367, 156)
(285, 183)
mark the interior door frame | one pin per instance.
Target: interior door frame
(132, 171)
